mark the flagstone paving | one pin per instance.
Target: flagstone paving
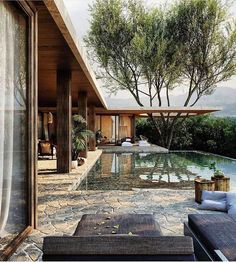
(61, 207)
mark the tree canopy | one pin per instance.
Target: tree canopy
(150, 52)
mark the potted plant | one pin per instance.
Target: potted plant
(201, 184)
(222, 182)
(218, 174)
(80, 133)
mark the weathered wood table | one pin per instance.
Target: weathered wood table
(122, 224)
(200, 185)
(221, 183)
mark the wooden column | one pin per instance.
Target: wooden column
(64, 114)
(82, 110)
(91, 126)
(133, 130)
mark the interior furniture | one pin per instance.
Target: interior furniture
(123, 237)
(214, 236)
(45, 148)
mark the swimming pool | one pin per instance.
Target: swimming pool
(176, 170)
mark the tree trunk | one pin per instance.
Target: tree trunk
(157, 129)
(166, 137)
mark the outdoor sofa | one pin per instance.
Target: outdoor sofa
(214, 236)
(138, 238)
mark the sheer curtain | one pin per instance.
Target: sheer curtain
(7, 83)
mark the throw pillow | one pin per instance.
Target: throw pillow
(216, 195)
(219, 205)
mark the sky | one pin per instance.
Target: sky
(80, 15)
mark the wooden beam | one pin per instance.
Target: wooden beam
(82, 110)
(64, 113)
(138, 111)
(91, 126)
(191, 111)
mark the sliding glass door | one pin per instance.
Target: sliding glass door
(13, 121)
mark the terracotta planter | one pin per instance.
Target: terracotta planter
(221, 183)
(200, 185)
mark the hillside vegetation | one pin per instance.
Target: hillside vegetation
(207, 133)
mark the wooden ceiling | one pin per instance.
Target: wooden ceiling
(53, 54)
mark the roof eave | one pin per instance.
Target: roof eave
(61, 17)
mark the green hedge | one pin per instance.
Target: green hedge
(206, 133)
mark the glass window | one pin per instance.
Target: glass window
(13, 121)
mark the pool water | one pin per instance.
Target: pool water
(176, 170)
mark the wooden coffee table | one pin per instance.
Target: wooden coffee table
(118, 224)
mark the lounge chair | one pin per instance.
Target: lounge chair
(214, 236)
(143, 143)
(138, 237)
(126, 144)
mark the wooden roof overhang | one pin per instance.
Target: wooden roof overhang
(158, 111)
(58, 49)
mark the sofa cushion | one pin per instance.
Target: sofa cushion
(216, 231)
(126, 144)
(231, 202)
(232, 216)
(120, 245)
(213, 195)
(122, 224)
(219, 205)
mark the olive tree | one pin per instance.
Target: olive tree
(151, 52)
(110, 40)
(207, 35)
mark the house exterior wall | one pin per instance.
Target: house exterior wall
(114, 127)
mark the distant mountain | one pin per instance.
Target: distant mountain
(223, 97)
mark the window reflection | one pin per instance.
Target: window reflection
(13, 121)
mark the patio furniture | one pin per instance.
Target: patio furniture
(142, 225)
(127, 139)
(45, 148)
(200, 185)
(118, 237)
(214, 236)
(143, 143)
(213, 200)
(143, 137)
(126, 144)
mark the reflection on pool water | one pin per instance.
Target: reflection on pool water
(151, 170)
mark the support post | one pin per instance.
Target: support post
(82, 110)
(133, 131)
(64, 114)
(91, 125)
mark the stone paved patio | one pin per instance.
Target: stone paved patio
(61, 207)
